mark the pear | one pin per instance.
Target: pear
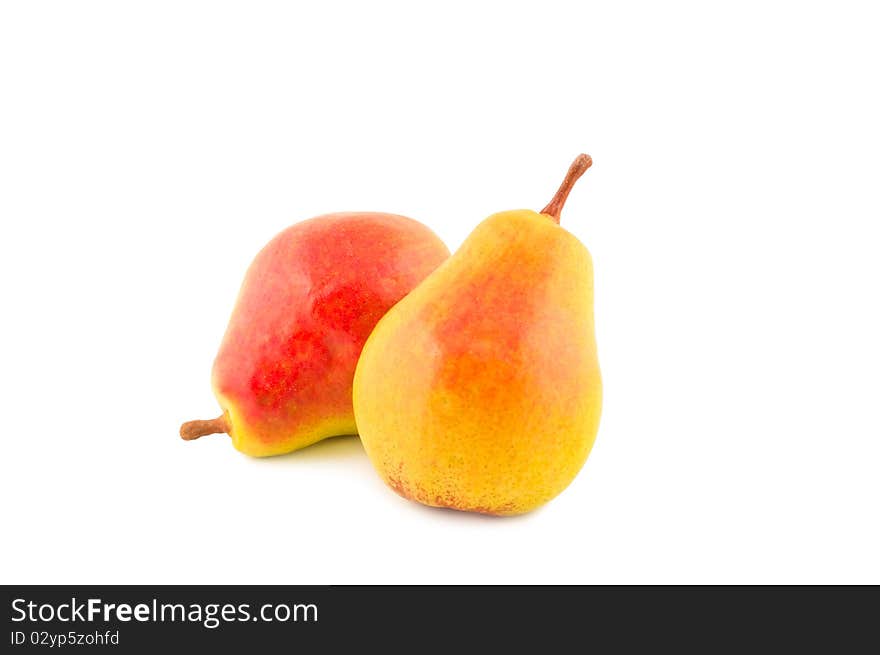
(308, 302)
(480, 390)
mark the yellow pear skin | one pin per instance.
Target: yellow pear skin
(480, 390)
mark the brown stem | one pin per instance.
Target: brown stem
(577, 168)
(195, 429)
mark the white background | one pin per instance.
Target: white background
(148, 150)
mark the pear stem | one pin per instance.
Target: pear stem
(578, 167)
(195, 429)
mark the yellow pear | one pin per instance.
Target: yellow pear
(480, 390)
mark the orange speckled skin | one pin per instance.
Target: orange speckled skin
(480, 391)
(309, 301)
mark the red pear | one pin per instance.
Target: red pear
(308, 302)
